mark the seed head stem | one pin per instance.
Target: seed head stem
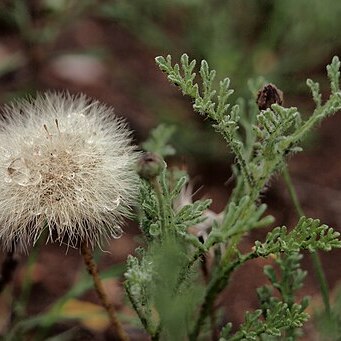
(92, 268)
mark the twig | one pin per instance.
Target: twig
(92, 268)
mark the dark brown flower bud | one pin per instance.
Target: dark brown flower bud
(269, 95)
(149, 166)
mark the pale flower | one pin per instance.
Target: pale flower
(66, 165)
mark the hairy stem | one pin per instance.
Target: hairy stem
(321, 277)
(153, 331)
(159, 194)
(92, 268)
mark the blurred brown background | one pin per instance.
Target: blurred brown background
(106, 49)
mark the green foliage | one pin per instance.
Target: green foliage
(308, 234)
(208, 101)
(260, 152)
(168, 219)
(158, 141)
(19, 14)
(278, 317)
(291, 279)
(329, 324)
(238, 219)
(247, 37)
(287, 283)
(152, 281)
(139, 277)
(152, 287)
(277, 131)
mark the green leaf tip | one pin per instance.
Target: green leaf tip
(333, 71)
(308, 234)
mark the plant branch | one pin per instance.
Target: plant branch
(214, 288)
(153, 332)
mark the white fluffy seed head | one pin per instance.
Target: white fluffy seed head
(66, 165)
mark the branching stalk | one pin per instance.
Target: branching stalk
(216, 285)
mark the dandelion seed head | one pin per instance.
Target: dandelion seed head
(66, 165)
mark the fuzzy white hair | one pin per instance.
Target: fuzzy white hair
(66, 165)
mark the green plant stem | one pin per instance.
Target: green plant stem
(314, 255)
(322, 280)
(152, 331)
(292, 192)
(205, 273)
(216, 285)
(226, 267)
(159, 194)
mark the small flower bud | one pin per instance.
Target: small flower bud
(149, 166)
(269, 95)
(154, 229)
